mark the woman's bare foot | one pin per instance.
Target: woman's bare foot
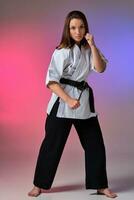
(107, 192)
(35, 192)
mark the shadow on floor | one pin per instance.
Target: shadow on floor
(122, 184)
(64, 188)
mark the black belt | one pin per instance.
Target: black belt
(81, 86)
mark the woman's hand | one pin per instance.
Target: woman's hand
(73, 103)
(90, 39)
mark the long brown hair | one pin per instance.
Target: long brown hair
(66, 40)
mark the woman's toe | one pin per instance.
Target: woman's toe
(107, 192)
(34, 192)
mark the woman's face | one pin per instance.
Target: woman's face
(77, 30)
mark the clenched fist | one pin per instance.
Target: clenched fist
(90, 39)
(73, 103)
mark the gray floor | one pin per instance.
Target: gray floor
(16, 179)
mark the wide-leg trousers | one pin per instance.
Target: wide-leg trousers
(56, 134)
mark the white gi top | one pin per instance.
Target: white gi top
(75, 64)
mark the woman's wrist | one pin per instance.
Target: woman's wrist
(93, 46)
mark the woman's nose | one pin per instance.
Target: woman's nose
(77, 30)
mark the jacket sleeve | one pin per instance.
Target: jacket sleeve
(56, 66)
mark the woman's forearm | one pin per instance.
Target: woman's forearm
(58, 90)
(98, 62)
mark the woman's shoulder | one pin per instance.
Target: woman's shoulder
(61, 52)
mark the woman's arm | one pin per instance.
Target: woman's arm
(99, 63)
(58, 90)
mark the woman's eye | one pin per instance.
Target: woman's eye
(73, 28)
(82, 27)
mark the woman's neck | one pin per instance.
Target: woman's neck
(78, 44)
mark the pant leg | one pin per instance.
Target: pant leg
(57, 131)
(90, 135)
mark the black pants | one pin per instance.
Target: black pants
(57, 131)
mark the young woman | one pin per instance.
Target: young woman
(72, 103)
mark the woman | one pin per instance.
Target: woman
(72, 103)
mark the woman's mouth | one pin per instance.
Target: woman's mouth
(78, 37)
